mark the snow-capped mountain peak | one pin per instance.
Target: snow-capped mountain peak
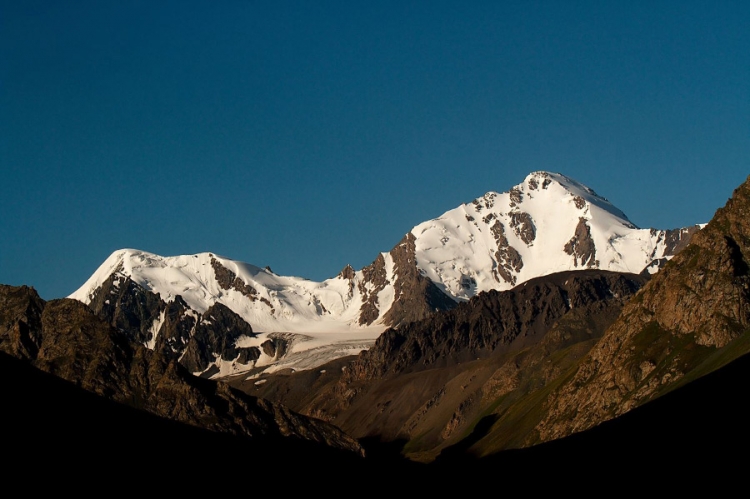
(267, 301)
(548, 223)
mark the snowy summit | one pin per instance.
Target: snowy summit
(548, 223)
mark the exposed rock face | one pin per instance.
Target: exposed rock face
(79, 347)
(418, 297)
(127, 306)
(676, 240)
(347, 272)
(694, 308)
(496, 320)
(229, 280)
(216, 334)
(581, 246)
(177, 326)
(507, 257)
(173, 329)
(374, 280)
(408, 367)
(20, 321)
(523, 226)
(516, 196)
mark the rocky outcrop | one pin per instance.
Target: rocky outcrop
(347, 272)
(20, 321)
(216, 334)
(417, 296)
(229, 280)
(508, 260)
(516, 197)
(374, 280)
(76, 345)
(677, 239)
(581, 246)
(172, 328)
(523, 225)
(492, 322)
(436, 376)
(685, 322)
(127, 306)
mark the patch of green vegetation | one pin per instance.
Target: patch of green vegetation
(519, 411)
(670, 353)
(414, 444)
(516, 425)
(716, 359)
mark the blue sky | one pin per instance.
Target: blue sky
(309, 135)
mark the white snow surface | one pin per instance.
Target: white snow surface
(457, 251)
(296, 304)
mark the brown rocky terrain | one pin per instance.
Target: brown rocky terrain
(548, 359)
(427, 384)
(581, 246)
(690, 319)
(418, 297)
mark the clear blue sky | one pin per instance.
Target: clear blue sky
(309, 135)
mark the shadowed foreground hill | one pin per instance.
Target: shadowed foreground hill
(701, 426)
(62, 434)
(66, 340)
(63, 438)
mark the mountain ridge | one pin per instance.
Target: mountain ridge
(548, 223)
(540, 363)
(553, 359)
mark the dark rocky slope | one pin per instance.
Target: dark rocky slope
(174, 329)
(64, 338)
(61, 437)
